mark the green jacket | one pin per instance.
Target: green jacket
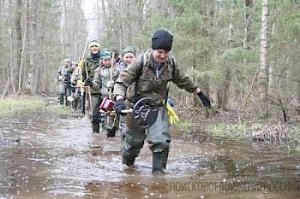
(89, 66)
(150, 82)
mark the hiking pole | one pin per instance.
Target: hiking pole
(87, 88)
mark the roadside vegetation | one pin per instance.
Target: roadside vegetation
(11, 105)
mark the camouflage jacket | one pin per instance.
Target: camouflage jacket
(89, 66)
(63, 72)
(102, 76)
(150, 81)
(119, 67)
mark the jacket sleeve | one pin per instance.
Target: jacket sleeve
(97, 83)
(84, 69)
(58, 73)
(126, 78)
(183, 81)
(75, 75)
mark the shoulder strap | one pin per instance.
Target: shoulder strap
(142, 64)
(173, 64)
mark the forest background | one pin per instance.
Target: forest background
(244, 53)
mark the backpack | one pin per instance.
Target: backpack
(144, 63)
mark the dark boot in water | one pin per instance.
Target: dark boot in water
(129, 161)
(159, 162)
(96, 127)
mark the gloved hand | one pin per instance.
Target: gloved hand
(204, 99)
(119, 106)
(88, 82)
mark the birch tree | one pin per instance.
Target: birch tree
(263, 76)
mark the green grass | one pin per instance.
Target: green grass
(184, 125)
(294, 132)
(10, 105)
(60, 109)
(217, 130)
(235, 131)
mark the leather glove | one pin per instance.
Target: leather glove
(88, 82)
(204, 99)
(119, 106)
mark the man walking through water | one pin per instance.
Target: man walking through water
(151, 73)
(62, 76)
(89, 67)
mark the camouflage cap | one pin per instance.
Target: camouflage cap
(128, 49)
(105, 54)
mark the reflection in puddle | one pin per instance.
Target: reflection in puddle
(53, 157)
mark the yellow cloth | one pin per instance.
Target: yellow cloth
(173, 117)
(80, 83)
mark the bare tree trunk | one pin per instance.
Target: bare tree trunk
(207, 57)
(104, 15)
(263, 75)
(18, 44)
(33, 45)
(298, 98)
(64, 28)
(248, 22)
(225, 87)
(2, 3)
(24, 44)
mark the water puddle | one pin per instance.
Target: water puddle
(45, 156)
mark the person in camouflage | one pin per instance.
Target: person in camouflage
(128, 54)
(62, 76)
(102, 80)
(89, 67)
(151, 76)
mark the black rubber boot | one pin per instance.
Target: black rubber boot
(159, 162)
(82, 103)
(96, 127)
(61, 99)
(111, 132)
(129, 161)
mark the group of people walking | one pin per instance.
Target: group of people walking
(125, 80)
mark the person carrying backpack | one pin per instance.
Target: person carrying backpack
(62, 76)
(148, 77)
(128, 56)
(89, 67)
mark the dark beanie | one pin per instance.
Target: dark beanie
(162, 39)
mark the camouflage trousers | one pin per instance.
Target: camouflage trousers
(96, 101)
(158, 136)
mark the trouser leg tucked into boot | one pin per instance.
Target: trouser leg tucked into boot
(159, 161)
